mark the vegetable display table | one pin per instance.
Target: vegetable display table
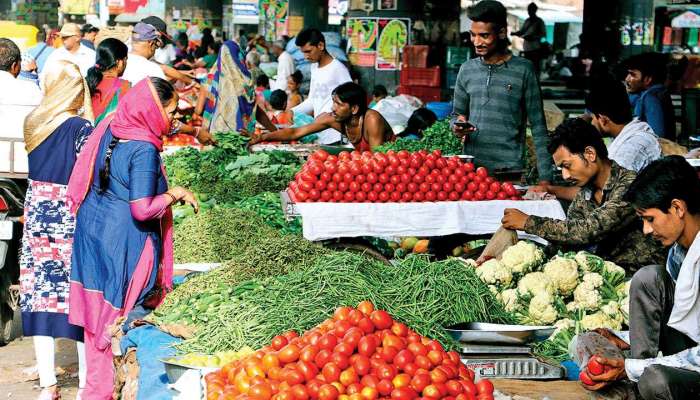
(323, 221)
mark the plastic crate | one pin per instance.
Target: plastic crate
(457, 55)
(425, 93)
(420, 76)
(415, 56)
(451, 77)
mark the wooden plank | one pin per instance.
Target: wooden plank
(553, 390)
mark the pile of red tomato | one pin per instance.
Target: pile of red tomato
(394, 177)
(358, 354)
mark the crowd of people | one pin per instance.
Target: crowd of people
(97, 244)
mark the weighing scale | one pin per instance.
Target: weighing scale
(503, 351)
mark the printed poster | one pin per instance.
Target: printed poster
(394, 35)
(274, 18)
(139, 7)
(362, 42)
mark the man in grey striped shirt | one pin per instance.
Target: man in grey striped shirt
(498, 92)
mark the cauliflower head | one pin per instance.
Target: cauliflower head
(599, 320)
(563, 325)
(613, 273)
(587, 297)
(589, 262)
(493, 272)
(522, 257)
(563, 272)
(612, 310)
(541, 310)
(535, 283)
(594, 279)
(509, 299)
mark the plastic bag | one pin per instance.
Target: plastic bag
(589, 344)
(396, 111)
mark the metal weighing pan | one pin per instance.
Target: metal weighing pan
(478, 332)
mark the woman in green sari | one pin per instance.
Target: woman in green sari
(106, 86)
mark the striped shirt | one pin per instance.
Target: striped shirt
(499, 99)
(635, 147)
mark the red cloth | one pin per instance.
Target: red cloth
(139, 116)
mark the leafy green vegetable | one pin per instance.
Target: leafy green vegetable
(439, 136)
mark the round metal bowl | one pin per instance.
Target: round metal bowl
(477, 332)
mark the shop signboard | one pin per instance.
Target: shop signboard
(137, 7)
(247, 8)
(362, 41)
(688, 19)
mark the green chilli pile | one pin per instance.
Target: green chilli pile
(438, 137)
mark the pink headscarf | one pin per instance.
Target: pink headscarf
(139, 116)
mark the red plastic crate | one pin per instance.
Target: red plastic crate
(420, 76)
(425, 93)
(415, 56)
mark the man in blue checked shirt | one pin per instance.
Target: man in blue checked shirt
(498, 93)
(664, 300)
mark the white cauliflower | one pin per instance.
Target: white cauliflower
(534, 283)
(522, 257)
(599, 320)
(587, 297)
(541, 311)
(493, 290)
(493, 272)
(571, 306)
(470, 262)
(625, 309)
(623, 289)
(564, 274)
(613, 273)
(562, 325)
(612, 310)
(594, 279)
(509, 299)
(589, 262)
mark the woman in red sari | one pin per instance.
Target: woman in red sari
(106, 86)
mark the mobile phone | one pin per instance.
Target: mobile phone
(465, 125)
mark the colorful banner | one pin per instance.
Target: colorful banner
(274, 18)
(140, 7)
(394, 35)
(362, 41)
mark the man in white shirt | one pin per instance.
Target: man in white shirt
(634, 144)
(664, 303)
(285, 65)
(17, 97)
(72, 50)
(144, 42)
(327, 73)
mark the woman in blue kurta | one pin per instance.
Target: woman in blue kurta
(54, 133)
(123, 237)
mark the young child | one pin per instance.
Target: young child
(293, 85)
(378, 94)
(262, 91)
(280, 115)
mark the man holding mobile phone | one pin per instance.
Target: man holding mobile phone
(495, 95)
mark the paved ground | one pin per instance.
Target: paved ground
(19, 355)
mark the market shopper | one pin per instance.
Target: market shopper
(293, 85)
(664, 300)
(123, 237)
(598, 219)
(532, 32)
(41, 51)
(364, 128)
(327, 73)
(72, 50)
(104, 79)
(498, 93)
(144, 42)
(89, 34)
(54, 134)
(227, 100)
(17, 97)
(285, 65)
(651, 102)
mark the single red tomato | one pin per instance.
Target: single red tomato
(483, 187)
(372, 197)
(383, 197)
(401, 187)
(384, 178)
(482, 172)
(460, 187)
(342, 361)
(348, 197)
(454, 179)
(453, 196)
(502, 196)
(360, 179)
(337, 196)
(447, 187)
(389, 353)
(385, 387)
(442, 196)
(430, 196)
(361, 365)
(360, 197)
(342, 187)
(381, 319)
(395, 197)
(332, 186)
(320, 185)
(489, 180)
(395, 179)
(484, 386)
(418, 197)
(594, 367)
(472, 187)
(326, 196)
(367, 345)
(418, 178)
(389, 187)
(495, 187)
(479, 196)
(490, 195)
